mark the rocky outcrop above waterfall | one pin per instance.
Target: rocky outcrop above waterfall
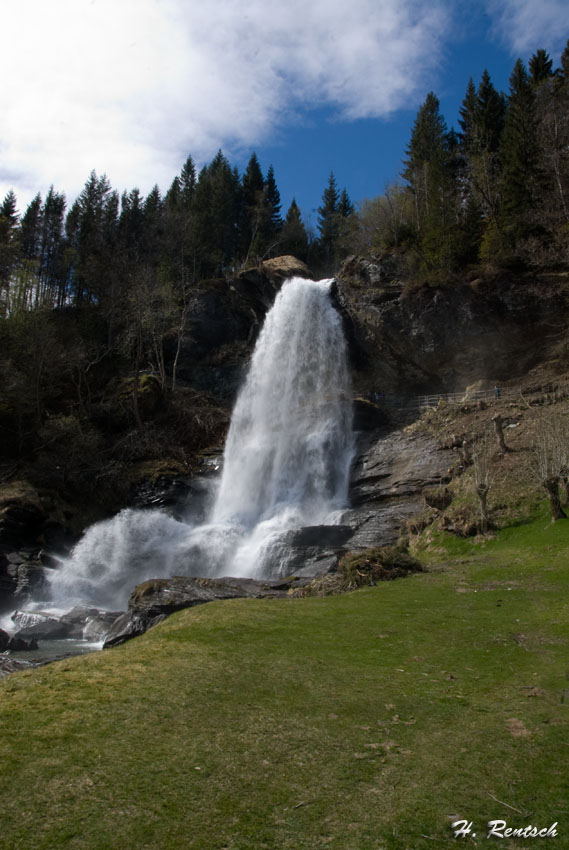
(223, 321)
(410, 340)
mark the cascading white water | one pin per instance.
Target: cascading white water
(286, 465)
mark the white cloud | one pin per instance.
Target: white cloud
(526, 25)
(130, 87)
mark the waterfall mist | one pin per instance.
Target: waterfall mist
(286, 465)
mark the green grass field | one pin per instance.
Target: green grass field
(367, 721)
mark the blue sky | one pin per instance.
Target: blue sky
(131, 87)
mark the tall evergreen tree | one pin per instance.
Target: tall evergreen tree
(490, 115)
(520, 149)
(253, 213)
(328, 220)
(8, 246)
(273, 203)
(53, 269)
(294, 239)
(214, 224)
(345, 206)
(540, 67)
(30, 230)
(187, 182)
(91, 231)
(467, 120)
(430, 169)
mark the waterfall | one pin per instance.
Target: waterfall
(286, 465)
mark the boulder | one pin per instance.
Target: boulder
(15, 644)
(48, 629)
(153, 600)
(12, 665)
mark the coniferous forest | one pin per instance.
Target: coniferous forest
(90, 293)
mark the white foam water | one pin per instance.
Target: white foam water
(286, 465)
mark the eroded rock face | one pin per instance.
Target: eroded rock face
(441, 339)
(389, 475)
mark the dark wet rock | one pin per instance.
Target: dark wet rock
(368, 416)
(307, 552)
(8, 583)
(164, 596)
(29, 577)
(14, 643)
(49, 560)
(80, 623)
(164, 491)
(97, 625)
(89, 623)
(12, 665)
(48, 629)
(153, 600)
(130, 625)
(324, 536)
(25, 619)
(181, 497)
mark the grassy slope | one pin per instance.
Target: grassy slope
(356, 722)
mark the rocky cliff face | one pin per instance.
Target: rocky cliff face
(223, 321)
(427, 340)
(403, 340)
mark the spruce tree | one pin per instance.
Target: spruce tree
(8, 246)
(253, 210)
(540, 67)
(273, 203)
(187, 182)
(430, 168)
(294, 239)
(30, 230)
(53, 271)
(519, 150)
(467, 120)
(490, 115)
(345, 206)
(328, 218)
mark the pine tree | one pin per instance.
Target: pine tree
(214, 223)
(30, 230)
(91, 229)
(540, 67)
(273, 203)
(294, 239)
(253, 210)
(520, 149)
(53, 271)
(345, 206)
(153, 227)
(490, 115)
(328, 219)
(467, 120)
(187, 182)
(8, 246)
(425, 166)
(430, 169)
